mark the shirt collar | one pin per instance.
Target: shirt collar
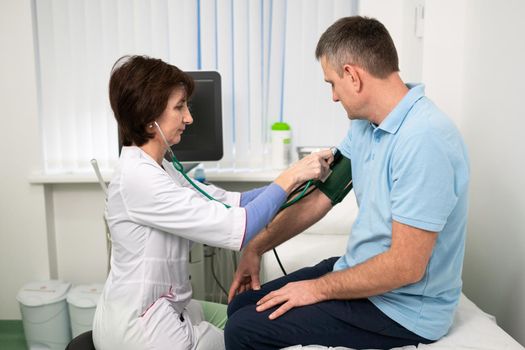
(395, 118)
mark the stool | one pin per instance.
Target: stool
(83, 341)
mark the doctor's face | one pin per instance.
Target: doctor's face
(175, 117)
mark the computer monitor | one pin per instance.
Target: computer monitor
(202, 140)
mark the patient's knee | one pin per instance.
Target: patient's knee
(240, 301)
(233, 306)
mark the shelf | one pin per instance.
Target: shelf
(212, 175)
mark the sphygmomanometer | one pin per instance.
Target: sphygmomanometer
(336, 186)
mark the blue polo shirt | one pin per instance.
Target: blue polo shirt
(412, 168)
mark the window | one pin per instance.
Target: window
(263, 49)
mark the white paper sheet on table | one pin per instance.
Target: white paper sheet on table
(472, 329)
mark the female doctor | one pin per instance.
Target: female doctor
(154, 213)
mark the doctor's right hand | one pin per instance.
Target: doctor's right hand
(247, 275)
(312, 167)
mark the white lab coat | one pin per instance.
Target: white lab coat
(153, 214)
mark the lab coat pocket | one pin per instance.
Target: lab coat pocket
(165, 328)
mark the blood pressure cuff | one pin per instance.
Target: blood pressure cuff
(339, 183)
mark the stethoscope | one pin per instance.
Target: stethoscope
(178, 166)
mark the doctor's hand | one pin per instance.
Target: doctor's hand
(312, 167)
(292, 295)
(247, 274)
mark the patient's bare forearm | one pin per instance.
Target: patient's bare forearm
(291, 221)
(405, 262)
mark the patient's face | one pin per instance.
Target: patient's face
(342, 88)
(175, 117)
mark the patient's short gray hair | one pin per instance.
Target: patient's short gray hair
(361, 41)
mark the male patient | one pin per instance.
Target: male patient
(399, 281)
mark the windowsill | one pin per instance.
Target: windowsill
(65, 178)
(212, 175)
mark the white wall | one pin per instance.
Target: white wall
(473, 57)
(80, 232)
(23, 239)
(398, 16)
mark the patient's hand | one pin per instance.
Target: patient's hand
(294, 294)
(247, 274)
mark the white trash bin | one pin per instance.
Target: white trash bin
(82, 302)
(44, 314)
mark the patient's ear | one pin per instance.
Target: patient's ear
(354, 76)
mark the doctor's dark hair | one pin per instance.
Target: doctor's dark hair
(139, 89)
(361, 41)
